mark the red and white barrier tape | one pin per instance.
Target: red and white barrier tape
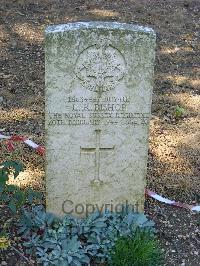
(11, 139)
(171, 202)
(41, 151)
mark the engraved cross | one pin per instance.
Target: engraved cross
(97, 151)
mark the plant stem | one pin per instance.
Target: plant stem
(22, 255)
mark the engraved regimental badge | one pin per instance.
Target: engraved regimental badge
(100, 67)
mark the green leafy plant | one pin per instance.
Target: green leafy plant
(12, 195)
(142, 249)
(71, 241)
(68, 241)
(179, 112)
(4, 241)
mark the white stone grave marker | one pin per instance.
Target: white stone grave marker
(98, 105)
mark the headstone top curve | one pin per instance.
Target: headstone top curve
(98, 25)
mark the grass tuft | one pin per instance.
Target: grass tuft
(140, 250)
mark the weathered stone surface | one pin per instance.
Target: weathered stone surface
(98, 102)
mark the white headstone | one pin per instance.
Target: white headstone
(98, 105)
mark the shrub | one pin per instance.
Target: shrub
(10, 195)
(71, 241)
(142, 249)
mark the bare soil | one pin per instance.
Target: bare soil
(174, 151)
